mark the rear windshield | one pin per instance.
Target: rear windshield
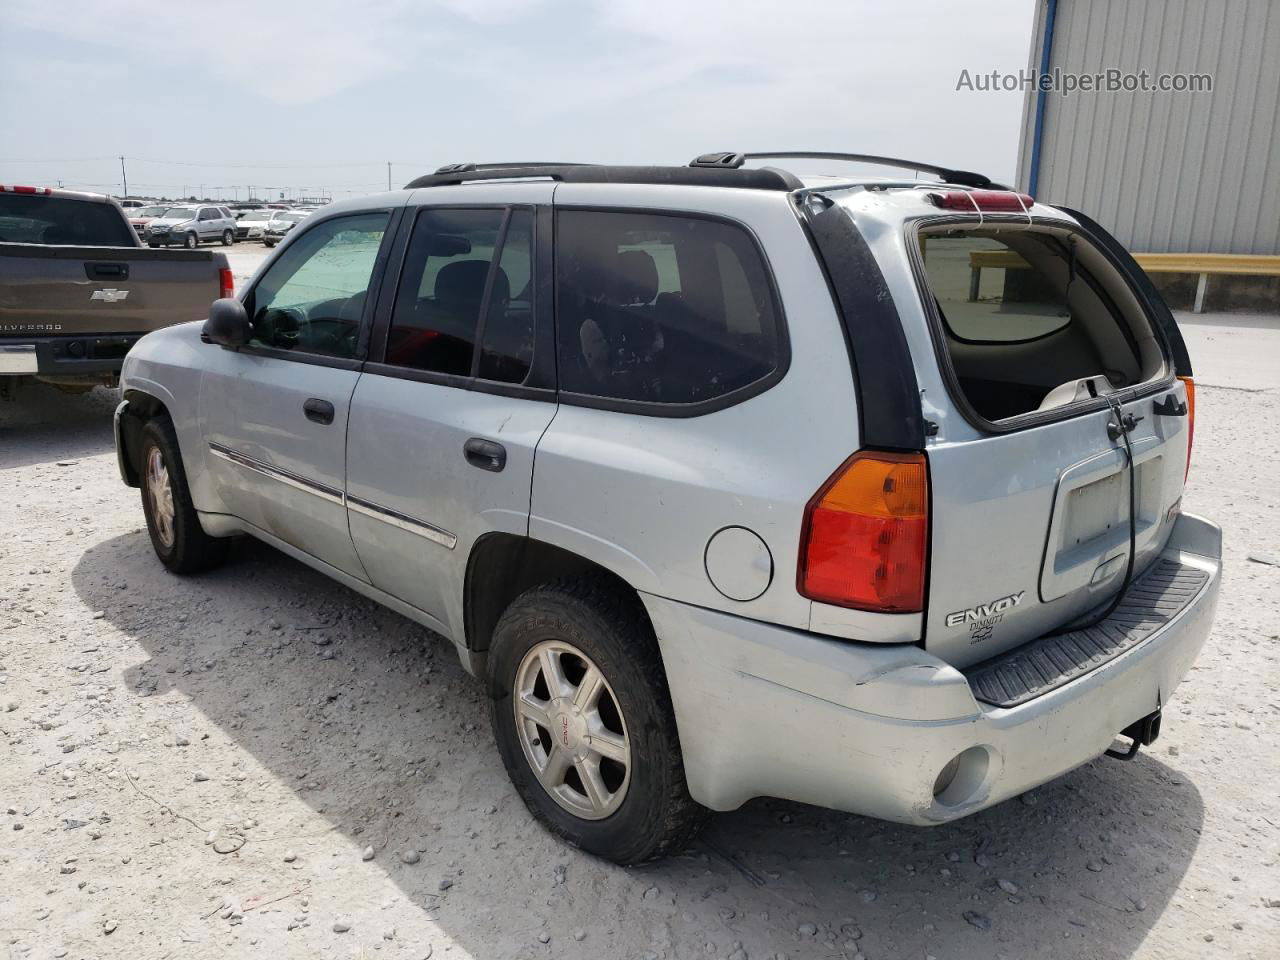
(62, 221)
(1029, 320)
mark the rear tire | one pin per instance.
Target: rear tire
(191, 241)
(642, 808)
(154, 246)
(176, 535)
(228, 238)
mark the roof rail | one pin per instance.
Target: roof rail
(965, 178)
(758, 179)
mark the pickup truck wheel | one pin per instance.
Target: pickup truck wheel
(584, 723)
(176, 535)
(228, 238)
(192, 241)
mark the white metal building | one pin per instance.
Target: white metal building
(1180, 172)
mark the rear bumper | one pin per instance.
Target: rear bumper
(868, 729)
(71, 357)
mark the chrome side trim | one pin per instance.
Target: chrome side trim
(411, 524)
(321, 490)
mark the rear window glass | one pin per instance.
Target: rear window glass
(660, 308)
(61, 221)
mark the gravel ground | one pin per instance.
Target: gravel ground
(257, 762)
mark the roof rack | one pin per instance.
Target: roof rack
(765, 178)
(734, 161)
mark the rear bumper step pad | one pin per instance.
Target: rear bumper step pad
(1042, 665)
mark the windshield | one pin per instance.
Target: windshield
(148, 212)
(291, 217)
(179, 213)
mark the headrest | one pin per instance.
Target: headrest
(462, 283)
(636, 277)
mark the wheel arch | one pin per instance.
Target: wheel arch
(138, 409)
(501, 566)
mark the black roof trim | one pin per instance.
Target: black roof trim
(766, 178)
(965, 178)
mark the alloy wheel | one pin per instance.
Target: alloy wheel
(160, 490)
(572, 731)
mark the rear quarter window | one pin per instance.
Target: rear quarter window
(663, 309)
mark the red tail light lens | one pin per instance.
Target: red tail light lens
(995, 201)
(226, 282)
(866, 532)
(1191, 420)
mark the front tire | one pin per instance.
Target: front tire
(192, 241)
(584, 723)
(176, 535)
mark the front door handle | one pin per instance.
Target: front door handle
(485, 454)
(319, 411)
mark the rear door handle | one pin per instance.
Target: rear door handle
(485, 454)
(319, 411)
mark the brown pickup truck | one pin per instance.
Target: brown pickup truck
(78, 289)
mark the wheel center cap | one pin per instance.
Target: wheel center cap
(569, 728)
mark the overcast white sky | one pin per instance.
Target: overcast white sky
(311, 94)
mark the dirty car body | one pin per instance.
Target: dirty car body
(891, 469)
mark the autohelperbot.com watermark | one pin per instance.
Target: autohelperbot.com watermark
(1066, 82)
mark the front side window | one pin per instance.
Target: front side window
(312, 298)
(663, 309)
(458, 287)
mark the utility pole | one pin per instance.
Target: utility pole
(388, 174)
(124, 177)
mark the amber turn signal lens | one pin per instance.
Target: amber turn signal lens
(866, 534)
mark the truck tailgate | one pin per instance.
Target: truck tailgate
(62, 291)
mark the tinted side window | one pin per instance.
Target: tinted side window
(661, 308)
(442, 288)
(312, 298)
(506, 351)
(208, 213)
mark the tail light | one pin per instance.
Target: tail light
(226, 282)
(1191, 420)
(866, 532)
(995, 201)
(36, 191)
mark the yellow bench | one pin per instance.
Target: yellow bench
(1203, 264)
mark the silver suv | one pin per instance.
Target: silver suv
(191, 226)
(862, 492)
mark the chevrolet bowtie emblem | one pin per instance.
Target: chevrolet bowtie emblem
(109, 295)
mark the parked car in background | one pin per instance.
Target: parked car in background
(282, 221)
(252, 224)
(814, 515)
(77, 291)
(131, 204)
(141, 217)
(192, 225)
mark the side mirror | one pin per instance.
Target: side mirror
(228, 324)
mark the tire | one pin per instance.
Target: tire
(268, 244)
(154, 246)
(593, 623)
(191, 241)
(228, 238)
(176, 535)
